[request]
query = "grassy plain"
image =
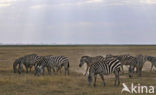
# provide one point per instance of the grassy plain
(76, 83)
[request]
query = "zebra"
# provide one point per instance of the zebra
(124, 59)
(152, 60)
(89, 61)
(134, 63)
(52, 62)
(140, 63)
(18, 62)
(30, 60)
(105, 67)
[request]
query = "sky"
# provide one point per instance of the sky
(78, 21)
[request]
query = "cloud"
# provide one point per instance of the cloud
(148, 1)
(96, 3)
(6, 3)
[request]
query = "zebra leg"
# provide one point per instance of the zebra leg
(54, 71)
(140, 71)
(66, 67)
(68, 71)
(122, 69)
(49, 70)
(95, 76)
(155, 65)
(43, 71)
(65, 70)
(116, 78)
(151, 67)
(26, 69)
(102, 77)
(30, 69)
(86, 71)
(60, 71)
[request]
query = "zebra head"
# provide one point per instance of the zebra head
(84, 59)
(131, 70)
(148, 58)
(38, 70)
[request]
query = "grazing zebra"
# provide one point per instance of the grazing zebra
(134, 64)
(124, 59)
(89, 61)
(152, 60)
(30, 60)
(140, 63)
(105, 67)
(18, 62)
(52, 62)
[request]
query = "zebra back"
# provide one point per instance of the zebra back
(54, 61)
(105, 66)
(91, 60)
(30, 60)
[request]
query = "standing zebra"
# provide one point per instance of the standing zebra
(105, 67)
(152, 60)
(52, 62)
(89, 61)
(124, 59)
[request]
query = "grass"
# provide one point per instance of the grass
(76, 83)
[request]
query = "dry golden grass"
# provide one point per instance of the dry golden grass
(76, 83)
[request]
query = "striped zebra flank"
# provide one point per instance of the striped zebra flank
(105, 67)
(52, 62)
(125, 60)
(89, 61)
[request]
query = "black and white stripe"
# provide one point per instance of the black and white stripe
(105, 67)
(125, 60)
(89, 61)
(53, 62)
